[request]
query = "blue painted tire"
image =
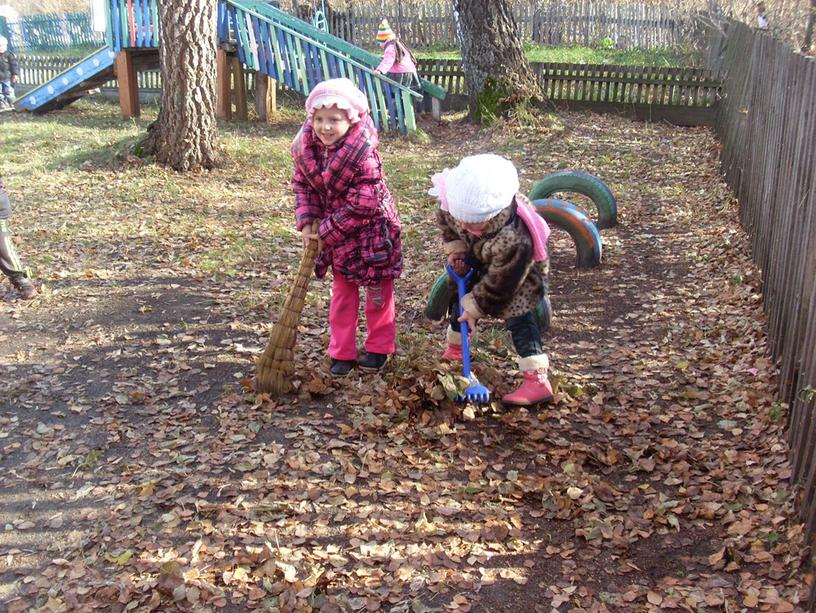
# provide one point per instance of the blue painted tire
(575, 221)
(584, 183)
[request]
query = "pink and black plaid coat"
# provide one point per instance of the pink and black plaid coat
(343, 187)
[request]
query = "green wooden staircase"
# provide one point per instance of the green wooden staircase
(299, 56)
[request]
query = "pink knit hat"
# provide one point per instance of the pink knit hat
(341, 93)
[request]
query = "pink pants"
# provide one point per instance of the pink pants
(380, 315)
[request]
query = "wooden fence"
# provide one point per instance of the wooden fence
(689, 93)
(767, 129)
(50, 31)
(424, 24)
(693, 87)
(36, 70)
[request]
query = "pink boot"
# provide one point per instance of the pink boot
(536, 386)
(454, 348)
(453, 352)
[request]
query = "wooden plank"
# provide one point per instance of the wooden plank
(223, 95)
(266, 102)
(239, 81)
(128, 86)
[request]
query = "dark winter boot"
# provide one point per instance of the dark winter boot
(373, 361)
(26, 288)
(341, 368)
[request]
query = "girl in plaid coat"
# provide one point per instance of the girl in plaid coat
(339, 184)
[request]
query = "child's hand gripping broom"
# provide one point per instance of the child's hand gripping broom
(274, 369)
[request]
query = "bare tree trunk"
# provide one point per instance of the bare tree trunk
(497, 74)
(184, 135)
(809, 29)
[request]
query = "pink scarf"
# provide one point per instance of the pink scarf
(538, 228)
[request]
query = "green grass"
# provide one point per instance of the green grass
(78, 51)
(667, 56)
(590, 55)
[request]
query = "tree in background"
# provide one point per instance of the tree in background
(808, 42)
(184, 135)
(498, 77)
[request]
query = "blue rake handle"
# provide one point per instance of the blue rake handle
(475, 392)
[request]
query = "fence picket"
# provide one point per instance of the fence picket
(46, 32)
(560, 22)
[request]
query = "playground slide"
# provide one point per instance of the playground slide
(87, 74)
(267, 40)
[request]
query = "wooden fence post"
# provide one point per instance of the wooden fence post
(223, 97)
(265, 96)
(128, 86)
(239, 81)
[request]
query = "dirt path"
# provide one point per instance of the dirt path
(140, 474)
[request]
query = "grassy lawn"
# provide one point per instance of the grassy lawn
(535, 53)
(140, 471)
(591, 55)
(78, 52)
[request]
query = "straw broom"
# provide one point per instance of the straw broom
(275, 367)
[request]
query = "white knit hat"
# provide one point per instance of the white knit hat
(480, 187)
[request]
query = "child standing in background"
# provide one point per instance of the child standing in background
(487, 225)
(398, 62)
(762, 18)
(339, 183)
(9, 262)
(9, 75)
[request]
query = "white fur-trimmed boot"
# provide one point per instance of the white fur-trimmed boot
(536, 386)
(454, 349)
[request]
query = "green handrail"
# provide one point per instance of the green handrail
(320, 45)
(401, 116)
(334, 42)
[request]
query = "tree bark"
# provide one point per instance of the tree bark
(497, 74)
(184, 135)
(809, 28)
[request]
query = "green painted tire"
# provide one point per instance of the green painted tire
(436, 308)
(580, 182)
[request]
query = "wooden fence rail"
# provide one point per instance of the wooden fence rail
(424, 24)
(767, 129)
(36, 70)
(691, 88)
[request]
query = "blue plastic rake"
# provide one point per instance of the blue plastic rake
(475, 391)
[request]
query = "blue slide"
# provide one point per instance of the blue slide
(87, 74)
